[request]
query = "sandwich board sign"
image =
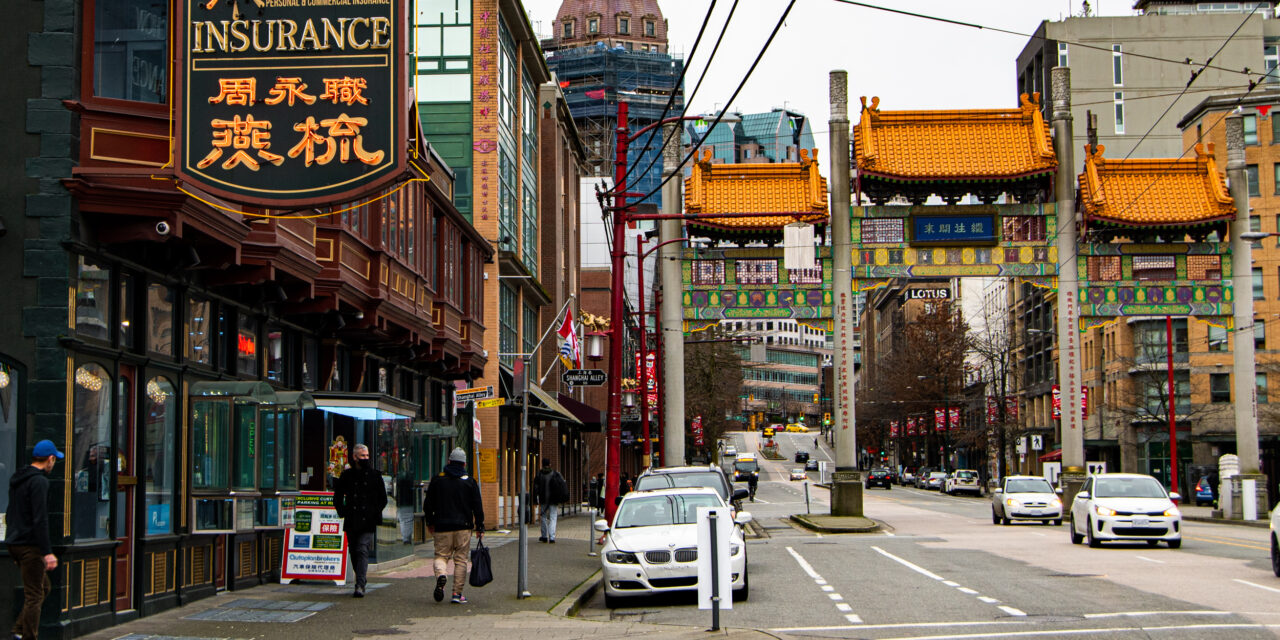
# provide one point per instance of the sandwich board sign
(315, 546)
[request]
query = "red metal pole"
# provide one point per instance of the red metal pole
(613, 434)
(657, 364)
(644, 357)
(1173, 422)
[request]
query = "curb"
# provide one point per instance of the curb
(1257, 524)
(569, 605)
(813, 526)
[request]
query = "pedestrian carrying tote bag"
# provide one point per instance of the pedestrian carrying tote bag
(481, 566)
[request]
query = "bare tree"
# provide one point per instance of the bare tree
(713, 387)
(992, 348)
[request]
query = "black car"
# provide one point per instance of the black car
(802, 456)
(880, 477)
(811, 465)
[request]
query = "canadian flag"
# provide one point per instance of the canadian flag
(570, 353)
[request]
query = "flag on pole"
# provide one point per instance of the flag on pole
(570, 354)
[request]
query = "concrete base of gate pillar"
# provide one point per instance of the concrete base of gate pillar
(846, 493)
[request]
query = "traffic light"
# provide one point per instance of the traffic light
(815, 397)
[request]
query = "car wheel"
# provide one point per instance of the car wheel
(1175, 543)
(995, 519)
(1057, 522)
(888, 487)
(1075, 537)
(1094, 542)
(1275, 556)
(1004, 520)
(741, 595)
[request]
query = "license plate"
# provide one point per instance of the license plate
(1034, 512)
(1141, 522)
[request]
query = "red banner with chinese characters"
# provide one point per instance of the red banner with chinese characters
(911, 426)
(1011, 408)
(939, 420)
(953, 414)
(893, 428)
(1057, 402)
(993, 410)
(290, 104)
(697, 431)
(651, 370)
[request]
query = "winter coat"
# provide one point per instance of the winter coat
(549, 487)
(27, 519)
(359, 495)
(453, 501)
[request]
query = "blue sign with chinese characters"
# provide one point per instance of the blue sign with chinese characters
(953, 229)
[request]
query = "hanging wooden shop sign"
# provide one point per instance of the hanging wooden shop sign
(290, 103)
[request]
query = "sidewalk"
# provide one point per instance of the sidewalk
(399, 603)
(1204, 514)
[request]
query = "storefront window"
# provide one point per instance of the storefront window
(247, 346)
(310, 363)
(269, 450)
(10, 380)
(246, 448)
(160, 454)
(93, 300)
(129, 50)
(160, 319)
(278, 466)
(198, 343)
(275, 354)
(210, 443)
(127, 331)
(91, 453)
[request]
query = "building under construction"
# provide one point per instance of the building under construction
(603, 59)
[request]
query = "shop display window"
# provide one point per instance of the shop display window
(91, 453)
(244, 469)
(278, 464)
(210, 443)
(93, 300)
(160, 319)
(267, 512)
(199, 345)
(213, 515)
(160, 454)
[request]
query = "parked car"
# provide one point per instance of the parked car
(1025, 498)
(906, 477)
(935, 480)
(802, 456)
(1275, 543)
(729, 452)
(879, 477)
(799, 474)
(922, 477)
(676, 477)
(1125, 506)
(810, 465)
(962, 480)
(1203, 492)
(652, 546)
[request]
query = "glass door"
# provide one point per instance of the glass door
(126, 481)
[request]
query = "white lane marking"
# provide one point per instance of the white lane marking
(908, 625)
(820, 581)
(1011, 611)
(988, 600)
(890, 534)
(804, 564)
(1149, 559)
(853, 617)
(914, 567)
(1271, 589)
(951, 583)
(835, 596)
(828, 588)
(1078, 632)
(1037, 533)
(967, 590)
(1135, 614)
(844, 607)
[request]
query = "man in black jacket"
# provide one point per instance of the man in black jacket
(359, 496)
(27, 535)
(452, 509)
(549, 492)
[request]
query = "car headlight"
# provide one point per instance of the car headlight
(734, 549)
(1103, 511)
(1172, 512)
(621, 557)
(1056, 502)
(1013, 503)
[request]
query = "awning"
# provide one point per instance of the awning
(1052, 456)
(551, 408)
(434, 429)
(365, 406)
(241, 390)
(299, 399)
(591, 417)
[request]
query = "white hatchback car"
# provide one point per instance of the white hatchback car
(652, 546)
(1025, 498)
(1275, 542)
(1125, 506)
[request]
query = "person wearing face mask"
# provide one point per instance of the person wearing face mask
(359, 497)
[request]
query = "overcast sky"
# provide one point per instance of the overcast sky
(909, 62)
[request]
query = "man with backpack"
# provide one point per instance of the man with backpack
(453, 509)
(549, 491)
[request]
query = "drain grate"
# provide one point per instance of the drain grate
(256, 610)
(148, 636)
(380, 632)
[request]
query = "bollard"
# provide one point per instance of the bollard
(806, 498)
(715, 575)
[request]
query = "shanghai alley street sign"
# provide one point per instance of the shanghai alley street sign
(290, 103)
(584, 377)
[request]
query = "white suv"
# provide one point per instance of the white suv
(1125, 506)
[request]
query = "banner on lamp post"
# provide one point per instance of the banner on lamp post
(697, 431)
(939, 420)
(953, 414)
(993, 410)
(893, 428)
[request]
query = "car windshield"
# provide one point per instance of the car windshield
(1031, 485)
(1128, 488)
(966, 475)
(708, 479)
(655, 511)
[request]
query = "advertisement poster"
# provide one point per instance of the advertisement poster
(315, 548)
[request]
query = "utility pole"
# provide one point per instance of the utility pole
(672, 325)
(1245, 390)
(1072, 432)
(846, 487)
(618, 319)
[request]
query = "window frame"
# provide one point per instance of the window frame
(1118, 114)
(1216, 394)
(1250, 121)
(1252, 180)
(1117, 66)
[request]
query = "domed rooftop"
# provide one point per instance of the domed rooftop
(580, 22)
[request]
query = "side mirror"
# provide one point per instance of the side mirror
(1058, 491)
(740, 494)
(742, 518)
(998, 490)
(602, 525)
(1175, 496)
(1083, 495)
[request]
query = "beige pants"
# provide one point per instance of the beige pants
(455, 546)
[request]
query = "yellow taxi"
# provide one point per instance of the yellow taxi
(796, 427)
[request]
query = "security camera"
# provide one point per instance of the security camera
(162, 228)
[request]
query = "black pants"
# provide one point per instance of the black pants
(35, 586)
(361, 548)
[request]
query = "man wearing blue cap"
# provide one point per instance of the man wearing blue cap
(27, 535)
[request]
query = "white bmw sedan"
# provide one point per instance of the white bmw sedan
(1125, 506)
(652, 546)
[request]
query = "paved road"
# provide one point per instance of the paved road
(942, 570)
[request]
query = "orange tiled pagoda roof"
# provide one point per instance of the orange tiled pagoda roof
(1166, 192)
(788, 191)
(969, 145)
